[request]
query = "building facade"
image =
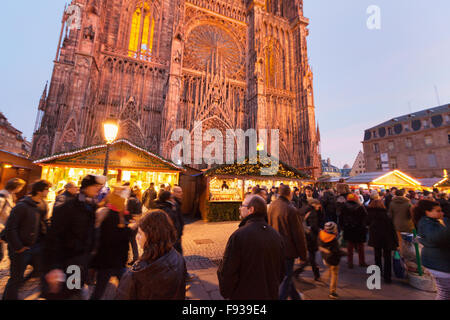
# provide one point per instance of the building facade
(329, 170)
(162, 65)
(359, 166)
(417, 144)
(11, 139)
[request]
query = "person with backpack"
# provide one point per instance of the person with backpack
(7, 203)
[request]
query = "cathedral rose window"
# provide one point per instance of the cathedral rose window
(209, 45)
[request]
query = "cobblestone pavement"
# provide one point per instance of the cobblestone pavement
(204, 245)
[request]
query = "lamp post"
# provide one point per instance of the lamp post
(111, 129)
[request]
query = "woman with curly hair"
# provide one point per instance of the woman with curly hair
(159, 272)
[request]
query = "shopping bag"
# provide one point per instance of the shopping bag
(399, 266)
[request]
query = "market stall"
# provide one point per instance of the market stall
(13, 165)
(384, 180)
(127, 163)
(443, 184)
(225, 187)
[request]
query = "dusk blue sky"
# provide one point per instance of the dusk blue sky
(362, 77)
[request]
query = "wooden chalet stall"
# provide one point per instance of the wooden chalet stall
(225, 186)
(13, 165)
(384, 180)
(127, 163)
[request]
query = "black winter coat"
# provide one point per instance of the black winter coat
(26, 224)
(314, 222)
(353, 220)
(329, 205)
(62, 198)
(177, 220)
(387, 200)
(381, 229)
(253, 263)
(331, 253)
(113, 243)
(70, 238)
(134, 206)
(163, 279)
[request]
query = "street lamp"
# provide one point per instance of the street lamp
(111, 129)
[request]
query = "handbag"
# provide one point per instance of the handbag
(399, 266)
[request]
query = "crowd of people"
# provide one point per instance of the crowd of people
(326, 220)
(93, 228)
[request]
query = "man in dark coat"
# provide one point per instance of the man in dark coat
(388, 197)
(70, 240)
(149, 197)
(307, 196)
(353, 221)
(284, 218)
(163, 203)
(253, 263)
(25, 231)
(177, 201)
(70, 192)
(329, 205)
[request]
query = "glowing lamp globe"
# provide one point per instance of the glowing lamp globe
(260, 146)
(111, 131)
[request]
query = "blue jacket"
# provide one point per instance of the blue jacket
(436, 241)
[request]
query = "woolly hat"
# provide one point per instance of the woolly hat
(91, 180)
(331, 227)
(353, 197)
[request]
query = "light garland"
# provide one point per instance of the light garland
(72, 153)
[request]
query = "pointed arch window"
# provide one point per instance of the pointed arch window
(274, 68)
(142, 33)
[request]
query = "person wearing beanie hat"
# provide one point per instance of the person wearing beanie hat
(331, 254)
(70, 240)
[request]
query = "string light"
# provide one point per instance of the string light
(72, 153)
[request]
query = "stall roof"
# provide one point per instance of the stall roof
(254, 170)
(331, 179)
(443, 183)
(94, 157)
(392, 178)
(429, 182)
(17, 160)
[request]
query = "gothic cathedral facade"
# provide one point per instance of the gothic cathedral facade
(160, 65)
